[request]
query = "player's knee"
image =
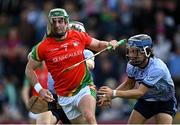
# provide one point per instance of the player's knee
(89, 116)
(39, 121)
(42, 121)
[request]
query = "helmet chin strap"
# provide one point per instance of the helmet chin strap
(147, 55)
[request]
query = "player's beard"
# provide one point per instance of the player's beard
(135, 63)
(61, 34)
(139, 63)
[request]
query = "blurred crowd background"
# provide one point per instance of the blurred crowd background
(23, 24)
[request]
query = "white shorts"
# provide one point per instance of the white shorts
(70, 104)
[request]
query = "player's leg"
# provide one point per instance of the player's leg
(87, 104)
(57, 111)
(163, 118)
(166, 111)
(79, 120)
(143, 110)
(136, 118)
(70, 109)
(87, 107)
(60, 116)
(80, 108)
(32, 117)
(46, 118)
(73, 114)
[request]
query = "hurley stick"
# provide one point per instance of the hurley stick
(120, 42)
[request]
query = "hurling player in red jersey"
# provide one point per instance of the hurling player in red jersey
(60, 50)
(27, 90)
(54, 115)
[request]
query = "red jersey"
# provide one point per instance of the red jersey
(59, 55)
(42, 74)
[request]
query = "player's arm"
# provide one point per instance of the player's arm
(132, 93)
(105, 90)
(128, 84)
(153, 77)
(31, 75)
(30, 70)
(128, 94)
(98, 45)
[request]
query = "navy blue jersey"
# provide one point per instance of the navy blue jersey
(156, 77)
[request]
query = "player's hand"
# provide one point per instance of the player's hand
(105, 90)
(46, 95)
(114, 44)
(103, 100)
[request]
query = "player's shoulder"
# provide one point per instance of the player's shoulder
(41, 45)
(157, 63)
(129, 66)
(72, 31)
(157, 66)
(45, 41)
(130, 69)
(76, 34)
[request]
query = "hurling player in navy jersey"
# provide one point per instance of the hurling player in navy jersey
(156, 92)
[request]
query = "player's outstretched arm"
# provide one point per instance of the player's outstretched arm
(127, 94)
(128, 84)
(98, 45)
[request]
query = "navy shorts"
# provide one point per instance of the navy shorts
(151, 108)
(58, 112)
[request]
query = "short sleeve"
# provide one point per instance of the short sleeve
(130, 71)
(153, 77)
(86, 38)
(37, 52)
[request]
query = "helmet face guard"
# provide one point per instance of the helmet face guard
(138, 49)
(136, 56)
